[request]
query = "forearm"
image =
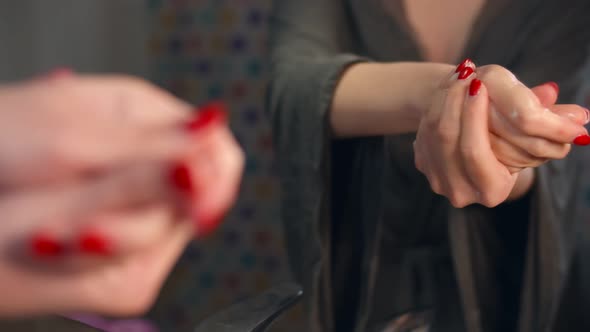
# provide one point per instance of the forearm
(384, 98)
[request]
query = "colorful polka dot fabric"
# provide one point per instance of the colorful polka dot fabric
(212, 49)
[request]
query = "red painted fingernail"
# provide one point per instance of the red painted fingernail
(474, 87)
(208, 225)
(554, 85)
(466, 63)
(94, 243)
(582, 140)
(46, 246)
(209, 114)
(181, 178)
(465, 73)
(57, 73)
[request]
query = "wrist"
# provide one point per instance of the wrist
(426, 84)
(384, 98)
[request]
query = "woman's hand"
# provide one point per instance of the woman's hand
(103, 182)
(527, 128)
(453, 147)
(455, 152)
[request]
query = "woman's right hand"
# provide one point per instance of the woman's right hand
(454, 148)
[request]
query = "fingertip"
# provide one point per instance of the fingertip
(554, 86)
(94, 243)
(46, 246)
(582, 140)
(581, 117)
(208, 115)
(546, 94)
(475, 87)
(465, 73)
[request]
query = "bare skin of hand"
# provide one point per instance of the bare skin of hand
(109, 173)
(454, 147)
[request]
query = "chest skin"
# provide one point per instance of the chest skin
(442, 28)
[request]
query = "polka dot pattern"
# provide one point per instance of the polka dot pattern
(214, 49)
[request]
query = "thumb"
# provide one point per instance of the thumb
(547, 93)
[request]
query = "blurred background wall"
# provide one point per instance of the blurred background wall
(200, 50)
(88, 35)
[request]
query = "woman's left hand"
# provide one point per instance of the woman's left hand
(470, 159)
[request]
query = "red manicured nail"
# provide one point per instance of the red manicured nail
(466, 63)
(474, 87)
(180, 178)
(582, 140)
(60, 73)
(57, 73)
(209, 114)
(94, 243)
(207, 226)
(554, 85)
(46, 246)
(465, 73)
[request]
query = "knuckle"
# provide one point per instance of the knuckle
(491, 202)
(495, 68)
(491, 199)
(496, 194)
(444, 134)
(469, 153)
(562, 132)
(456, 92)
(491, 71)
(435, 185)
(431, 123)
(459, 200)
(539, 148)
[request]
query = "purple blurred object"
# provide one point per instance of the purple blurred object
(131, 325)
(105, 325)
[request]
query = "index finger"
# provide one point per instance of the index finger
(479, 160)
